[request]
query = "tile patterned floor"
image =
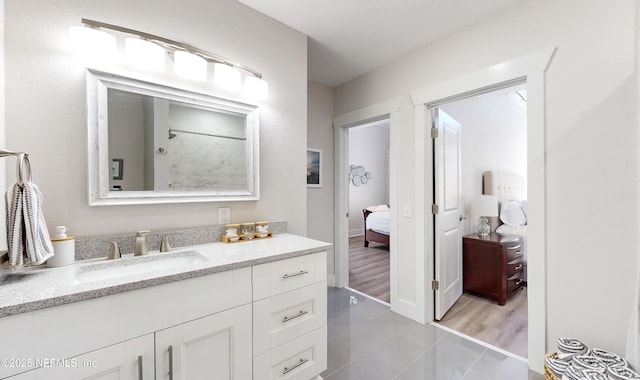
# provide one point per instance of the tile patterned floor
(369, 342)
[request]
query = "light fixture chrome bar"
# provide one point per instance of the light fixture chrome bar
(6, 153)
(172, 45)
(206, 134)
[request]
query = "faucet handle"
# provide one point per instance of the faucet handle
(165, 246)
(142, 233)
(114, 251)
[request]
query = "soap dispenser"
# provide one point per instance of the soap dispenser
(64, 248)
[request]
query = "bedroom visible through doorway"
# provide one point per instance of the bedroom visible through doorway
(369, 215)
(493, 139)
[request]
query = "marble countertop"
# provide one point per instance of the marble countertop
(35, 288)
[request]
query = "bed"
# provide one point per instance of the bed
(376, 224)
(511, 191)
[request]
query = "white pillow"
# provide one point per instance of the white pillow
(379, 208)
(511, 213)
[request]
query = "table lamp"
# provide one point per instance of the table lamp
(484, 206)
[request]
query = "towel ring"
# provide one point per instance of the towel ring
(23, 165)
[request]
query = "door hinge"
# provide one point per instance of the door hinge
(434, 133)
(435, 209)
(435, 284)
(347, 215)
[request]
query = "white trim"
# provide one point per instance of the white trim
(369, 113)
(531, 67)
(341, 143)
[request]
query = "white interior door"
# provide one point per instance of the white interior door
(448, 234)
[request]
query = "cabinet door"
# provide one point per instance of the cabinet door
(216, 347)
(130, 360)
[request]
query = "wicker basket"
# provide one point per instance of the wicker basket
(548, 375)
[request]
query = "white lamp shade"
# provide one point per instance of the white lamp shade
(484, 205)
(144, 54)
(92, 43)
(256, 88)
(189, 66)
(226, 77)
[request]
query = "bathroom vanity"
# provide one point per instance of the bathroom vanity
(254, 310)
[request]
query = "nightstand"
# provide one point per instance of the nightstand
(492, 266)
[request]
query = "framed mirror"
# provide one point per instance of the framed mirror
(149, 143)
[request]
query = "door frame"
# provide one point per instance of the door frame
(532, 68)
(341, 124)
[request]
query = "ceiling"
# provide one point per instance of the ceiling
(348, 38)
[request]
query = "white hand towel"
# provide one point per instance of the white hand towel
(27, 233)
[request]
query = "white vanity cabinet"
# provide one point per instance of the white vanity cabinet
(194, 315)
(266, 321)
(213, 347)
(130, 360)
(290, 318)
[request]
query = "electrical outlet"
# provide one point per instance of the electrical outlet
(224, 215)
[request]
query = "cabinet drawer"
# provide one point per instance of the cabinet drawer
(300, 359)
(514, 266)
(514, 282)
(284, 317)
(514, 251)
(285, 275)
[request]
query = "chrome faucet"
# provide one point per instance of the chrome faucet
(141, 248)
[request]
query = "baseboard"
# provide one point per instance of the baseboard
(331, 280)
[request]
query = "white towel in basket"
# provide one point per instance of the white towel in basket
(27, 235)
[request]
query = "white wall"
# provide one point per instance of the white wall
(320, 201)
(590, 151)
(494, 137)
(369, 147)
(45, 100)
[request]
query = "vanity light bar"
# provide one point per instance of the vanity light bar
(189, 61)
(172, 45)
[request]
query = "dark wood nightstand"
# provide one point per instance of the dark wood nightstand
(493, 266)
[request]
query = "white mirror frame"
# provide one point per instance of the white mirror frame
(99, 168)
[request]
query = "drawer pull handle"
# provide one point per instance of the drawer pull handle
(170, 362)
(289, 275)
(140, 375)
(300, 314)
(286, 370)
(518, 282)
(518, 267)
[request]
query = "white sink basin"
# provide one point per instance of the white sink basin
(130, 266)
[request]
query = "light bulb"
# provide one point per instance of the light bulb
(256, 88)
(144, 54)
(226, 77)
(92, 44)
(189, 66)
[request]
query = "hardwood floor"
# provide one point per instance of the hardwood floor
(482, 318)
(369, 268)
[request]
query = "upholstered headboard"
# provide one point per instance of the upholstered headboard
(505, 186)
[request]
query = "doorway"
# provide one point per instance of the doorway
(369, 213)
(493, 138)
(412, 268)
